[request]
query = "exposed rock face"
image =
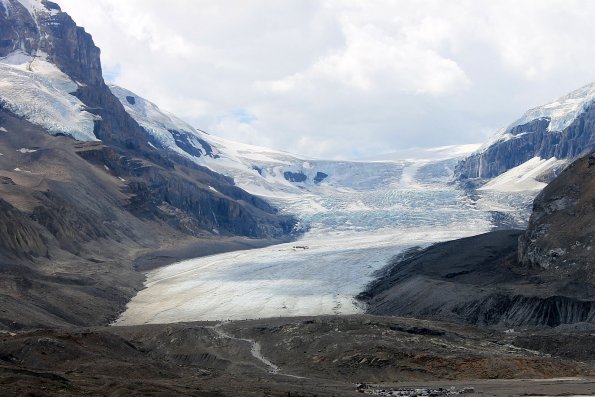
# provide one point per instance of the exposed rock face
(54, 34)
(212, 204)
(320, 176)
(477, 280)
(530, 140)
(17, 29)
(19, 234)
(295, 176)
(562, 226)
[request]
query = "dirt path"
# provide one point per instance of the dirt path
(254, 350)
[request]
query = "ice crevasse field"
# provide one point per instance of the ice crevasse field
(361, 215)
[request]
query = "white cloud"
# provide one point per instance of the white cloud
(374, 59)
(345, 78)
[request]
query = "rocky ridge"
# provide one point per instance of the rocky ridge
(561, 229)
(564, 129)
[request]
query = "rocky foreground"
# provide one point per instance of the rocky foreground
(321, 356)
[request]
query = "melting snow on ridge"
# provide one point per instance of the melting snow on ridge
(562, 111)
(157, 122)
(38, 91)
(525, 176)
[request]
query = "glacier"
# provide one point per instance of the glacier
(33, 88)
(355, 225)
(356, 216)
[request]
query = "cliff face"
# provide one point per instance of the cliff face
(536, 137)
(562, 226)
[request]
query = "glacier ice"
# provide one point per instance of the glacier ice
(37, 90)
(359, 216)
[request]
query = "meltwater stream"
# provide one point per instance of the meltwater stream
(353, 232)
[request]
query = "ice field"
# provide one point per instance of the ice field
(353, 232)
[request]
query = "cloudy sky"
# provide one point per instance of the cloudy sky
(344, 79)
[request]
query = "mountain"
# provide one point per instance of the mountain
(561, 230)
(281, 177)
(85, 190)
(540, 277)
(557, 132)
(98, 185)
(263, 171)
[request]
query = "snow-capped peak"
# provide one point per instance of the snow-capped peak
(561, 112)
(164, 128)
(147, 112)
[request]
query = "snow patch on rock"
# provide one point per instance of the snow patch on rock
(560, 113)
(24, 150)
(35, 6)
(524, 177)
(160, 124)
(35, 89)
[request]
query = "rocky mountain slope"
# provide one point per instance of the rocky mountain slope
(541, 277)
(563, 129)
(561, 229)
(83, 191)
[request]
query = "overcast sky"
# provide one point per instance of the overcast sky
(344, 79)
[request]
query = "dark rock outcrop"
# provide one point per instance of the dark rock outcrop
(477, 280)
(17, 29)
(320, 176)
(562, 226)
(19, 235)
(295, 176)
